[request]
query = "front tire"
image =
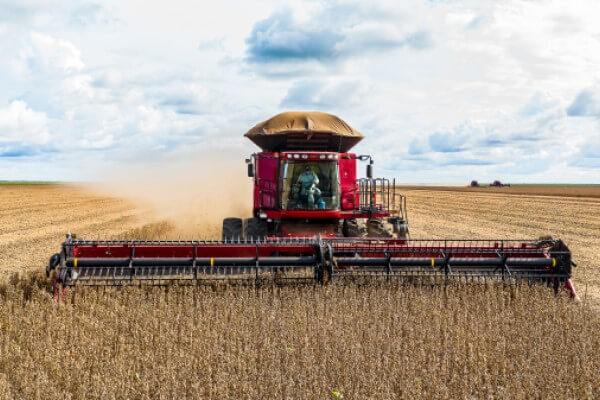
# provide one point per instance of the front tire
(255, 228)
(377, 228)
(232, 229)
(350, 228)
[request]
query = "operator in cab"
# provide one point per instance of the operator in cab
(307, 186)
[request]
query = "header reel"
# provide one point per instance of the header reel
(356, 261)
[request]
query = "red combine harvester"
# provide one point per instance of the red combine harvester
(312, 221)
(305, 184)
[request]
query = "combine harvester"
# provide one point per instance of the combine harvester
(313, 221)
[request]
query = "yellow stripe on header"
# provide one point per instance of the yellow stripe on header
(212, 262)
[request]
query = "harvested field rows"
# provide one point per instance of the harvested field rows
(591, 191)
(35, 218)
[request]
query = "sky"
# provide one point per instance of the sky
(444, 91)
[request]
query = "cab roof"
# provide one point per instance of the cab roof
(304, 131)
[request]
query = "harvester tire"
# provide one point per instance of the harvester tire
(255, 228)
(232, 228)
(351, 228)
(377, 228)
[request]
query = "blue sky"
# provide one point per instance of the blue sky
(444, 91)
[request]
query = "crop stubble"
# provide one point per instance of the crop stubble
(592, 191)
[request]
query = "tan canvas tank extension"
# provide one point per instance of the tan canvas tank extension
(304, 130)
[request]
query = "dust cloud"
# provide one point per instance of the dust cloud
(193, 195)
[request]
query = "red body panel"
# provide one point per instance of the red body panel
(322, 214)
(309, 214)
(265, 182)
(348, 189)
(364, 248)
(187, 250)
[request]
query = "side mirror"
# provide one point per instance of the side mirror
(250, 170)
(369, 171)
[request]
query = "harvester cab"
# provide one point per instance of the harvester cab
(305, 184)
(307, 193)
(315, 221)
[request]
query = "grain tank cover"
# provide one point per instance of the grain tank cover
(304, 130)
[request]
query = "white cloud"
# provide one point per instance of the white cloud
(52, 54)
(586, 104)
(333, 31)
(325, 94)
(19, 123)
(98, 142)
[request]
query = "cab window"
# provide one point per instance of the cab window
(310, 185)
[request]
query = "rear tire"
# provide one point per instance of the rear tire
(377, 228)
(232, 229)
(255, 228)
(350, 228)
